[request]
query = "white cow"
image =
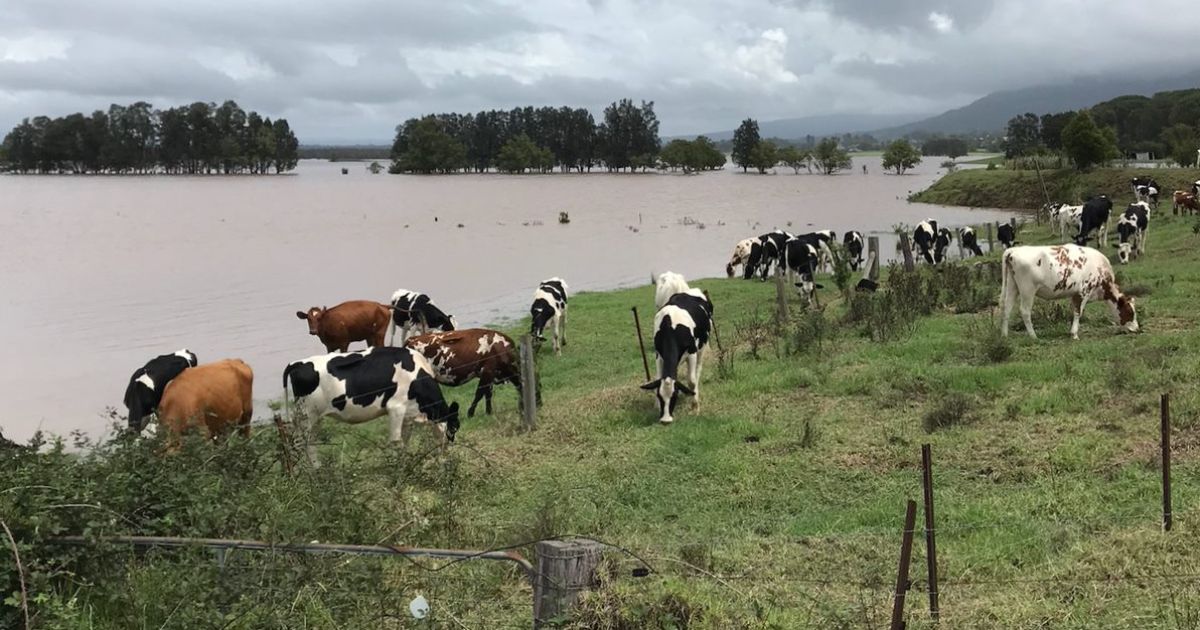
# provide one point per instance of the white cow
(1066, 217)
(1061, 271)
(741, 255)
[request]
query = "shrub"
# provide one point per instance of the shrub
(808, 331)
(949, 410)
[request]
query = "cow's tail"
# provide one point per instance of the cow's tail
(287, 372)
(1006, 273)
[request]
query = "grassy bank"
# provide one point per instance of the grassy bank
(1004, 188)
(777, 504)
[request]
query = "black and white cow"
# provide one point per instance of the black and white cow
(924, 239)
(1143, 182)
(356, 387)
(1064, 217)
(803, 259)
(681, 330)
(146, 386)
(550, 309)
(1094, 218)
(412, 311)
(853, 241)
(969, 240)
(825, 240)
(1131, 229)
(769, 252)
(1006, 235)
(1196, 188)
(941, 244)
(1148, 194)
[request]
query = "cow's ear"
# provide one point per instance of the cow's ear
(301, 315)
(652, 385)
(819, 286)
(684, 389)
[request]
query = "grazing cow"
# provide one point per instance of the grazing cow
(1143, 182)
(414, 311)
(1094, 218)
(214, 396)
(550, 308)
(1065, 217)
(1188, 201)
(803, 259)
(668, 283)
(356, 387)
(741, 255)
(357, 320)
(146, 386)
(681, 329)
(969, 240)
(459, 356)
(1148, 194)
(1006, 235)
(853, 241)
(1196, 188)
(1131, 229)
(770, 253)
(941, 244)
(1061, 271)
(924, 238)
(823, 239)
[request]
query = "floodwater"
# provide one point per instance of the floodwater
(99, 273)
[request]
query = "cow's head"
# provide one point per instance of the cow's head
(807, 287)
(541, 313)
(188, 356)
(1124, 250)
(1125, 313)
(667, 391)
(313, 315)
(729, 270)
(449, 415)
(450, 325)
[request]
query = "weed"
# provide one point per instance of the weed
(808, 332)
(753, 330)
(951, 409)
(808, 435)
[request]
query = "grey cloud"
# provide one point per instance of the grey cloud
(898, 14)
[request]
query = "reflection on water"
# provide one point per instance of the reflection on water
(98, 274)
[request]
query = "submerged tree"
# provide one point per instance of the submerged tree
(745, 139)
(901, 156)
(830, 158)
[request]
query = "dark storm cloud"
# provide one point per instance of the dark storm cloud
(895, 14)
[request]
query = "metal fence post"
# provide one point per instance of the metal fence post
(564, 569)
(910, 517)
(930, 542)
(873, 258)
(637, 324)
(1165, 413)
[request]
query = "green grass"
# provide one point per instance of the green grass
(1003, 188)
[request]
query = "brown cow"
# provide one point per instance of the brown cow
(215, 396)
(357, 320)
(1187, 201)
(461, 355)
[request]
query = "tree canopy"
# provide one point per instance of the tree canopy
(952, 147)
(1086, 144)
(764, 156)
(745, 139)
(691, 155)
(831, 158)
(900, 156)
(200, 138)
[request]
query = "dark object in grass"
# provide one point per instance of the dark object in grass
(949, 410)
(750, 439)
(866, 285)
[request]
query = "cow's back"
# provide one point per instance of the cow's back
(215, 395)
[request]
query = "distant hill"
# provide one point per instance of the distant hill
(819, 126)
(992, 112)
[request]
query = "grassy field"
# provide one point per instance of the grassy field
(777, 504)
(1004, 188)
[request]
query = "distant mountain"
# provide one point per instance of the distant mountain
(992, 112)
(820, 126)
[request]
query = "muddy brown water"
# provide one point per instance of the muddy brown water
(99, 274)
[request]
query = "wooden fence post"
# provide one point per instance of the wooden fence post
(1165, 413)
(906, 250)
(910, 517)
(529, 385)
(564, 569)
(873, 258)
(930, 543)
(781, 314)
(991, 244)
(637, 323)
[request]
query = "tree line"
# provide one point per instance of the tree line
(1166, 124)
(201, 138)
(750, 150)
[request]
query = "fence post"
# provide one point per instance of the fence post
(873, 258)
(930, 543)
(1013, 222)
(910, 517)
(1165, 410)
(637, 323)
(564, 569)
(529, 385)
(781, 307)
(906, 250)
(991, 244)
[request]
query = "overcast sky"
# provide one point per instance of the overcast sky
(350, 70)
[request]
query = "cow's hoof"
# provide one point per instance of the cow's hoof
(666, 421)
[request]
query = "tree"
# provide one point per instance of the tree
(952, 147)
(628, 137)
(745, 139)
(706, 154)
(765, 155)
(1023, 136)
(830, 158)
(521, 154)
(1086, 144)
(1182, 141)
(795, 158)
(426, 148)
(901, 156)
(1052, 128)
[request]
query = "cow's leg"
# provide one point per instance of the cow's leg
(562, 324)
(697, 369)
(479, 394)
(1142, 241)
(1077, 304)
(397, 431)
(557, 333)
(308, 426)
(391, 336)
(488, 398)
(1027, 298)
(1008, 300)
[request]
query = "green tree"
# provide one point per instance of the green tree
(745, 139)
(1023, 135)
(765, 155)
(706, 155)
(1052, 126)
(795, 158)
(900, 156)
(426, 148)
(830, 158)
(1085, 143)
(1182, 141)
(952, 147)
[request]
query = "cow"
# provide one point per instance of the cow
(550, 308)
(770, 251)
(803, 259)
(824, 239)
(215, 397)
(1094, 218)
(1006, 235)
(668, 283)
(681, 330)
(1143, 182)
(1148, 194)
(460, 356)
(941, 244)
(853, 242)
(1196, 188)
(1187, 201)
(1065, 217)
(356, 387)
(1131, 230)
(357, 320)
(924, 237)
(146, 386)
(1061, 271)
(969, 240)
(741, 255)
(415, 311)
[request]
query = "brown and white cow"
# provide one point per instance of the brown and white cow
(216, 397)
(1187, 201)
(357, 320)
(741, 255)
(1061, 271)
(463, 355)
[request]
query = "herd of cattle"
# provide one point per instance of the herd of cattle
(401, 378)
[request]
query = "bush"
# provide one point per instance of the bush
(991, 166)
(949, 410)
(989, 345)
(808, 331)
